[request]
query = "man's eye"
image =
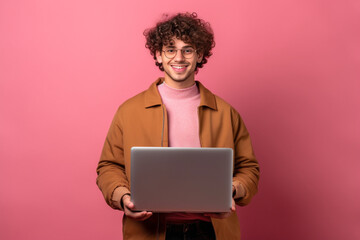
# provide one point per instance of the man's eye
(170, 50)
(188, 50)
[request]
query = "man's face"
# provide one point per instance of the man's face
(179, 69)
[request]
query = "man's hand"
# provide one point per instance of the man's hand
(128, 210)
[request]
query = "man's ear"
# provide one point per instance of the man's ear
(158, 57)
(200, 57)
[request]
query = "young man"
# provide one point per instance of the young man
(177, 111)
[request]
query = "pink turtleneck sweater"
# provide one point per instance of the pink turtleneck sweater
(182, 106)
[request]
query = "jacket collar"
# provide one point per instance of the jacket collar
(153, 98)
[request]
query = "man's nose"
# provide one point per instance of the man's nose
(179, 55)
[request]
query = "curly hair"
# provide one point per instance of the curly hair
(186, 27)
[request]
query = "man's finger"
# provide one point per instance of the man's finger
(137, 215)
(141, 216)
(129, 204)
(146, 216)
(233, 206)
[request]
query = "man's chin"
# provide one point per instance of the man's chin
(179, 79)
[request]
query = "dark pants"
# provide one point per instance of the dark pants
(188, 231)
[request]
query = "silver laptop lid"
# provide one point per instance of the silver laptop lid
(169, 179)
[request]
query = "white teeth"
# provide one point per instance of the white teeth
(178, 67)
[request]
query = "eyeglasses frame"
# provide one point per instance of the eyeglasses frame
(195, 51)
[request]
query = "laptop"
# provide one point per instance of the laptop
(172, 179)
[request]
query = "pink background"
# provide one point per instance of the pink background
(291, 68)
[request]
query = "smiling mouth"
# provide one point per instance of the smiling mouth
(179, 68)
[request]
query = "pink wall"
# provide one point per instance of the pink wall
(291, 68)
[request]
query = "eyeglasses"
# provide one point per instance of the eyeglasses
(186, 52)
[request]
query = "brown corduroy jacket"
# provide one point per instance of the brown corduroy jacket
(142, 121)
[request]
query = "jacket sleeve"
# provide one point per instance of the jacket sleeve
(111, 167)
(246, 167)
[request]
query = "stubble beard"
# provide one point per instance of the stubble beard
(183, 79)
